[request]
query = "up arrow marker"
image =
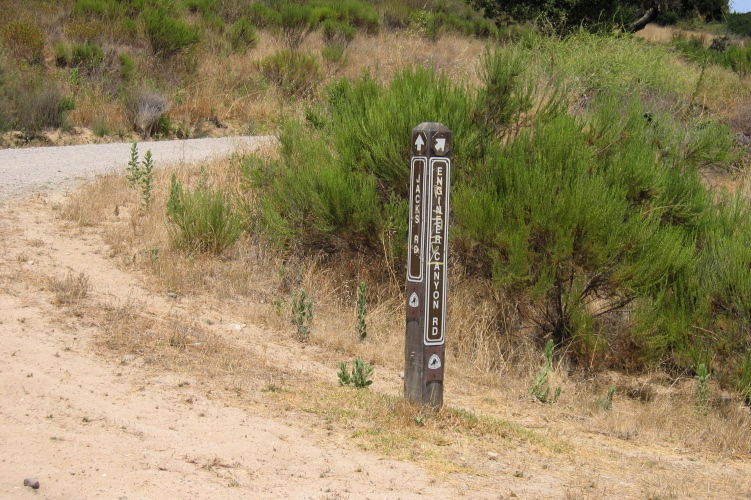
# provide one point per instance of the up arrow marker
(419, 143)
(440, 144)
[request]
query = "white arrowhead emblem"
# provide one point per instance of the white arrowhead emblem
(440, 144)
(434, 362)
(419, 143)
(413, 300)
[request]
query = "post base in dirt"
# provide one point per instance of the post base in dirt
(430, 173)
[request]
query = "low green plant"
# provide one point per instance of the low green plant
(140, 174)
(362, 327)
(702, 390)
(99, 127)
(606, 403)
(24, 41)
(127, 66)
(86, 55)
(242, 35)
(295, 22)
(167, 34)
(540, 389)
(295, 73)
(302, 314)
(359, 377)
(203, 220)
(62, 54)
(42, 107)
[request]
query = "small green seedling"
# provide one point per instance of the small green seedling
(359, 377)
(302, 314)
(362, 327)
(702, 391)
(540, 388)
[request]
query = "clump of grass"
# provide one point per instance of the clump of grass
(145, 108)
(71, 289)
(295, 73)
(203, 220)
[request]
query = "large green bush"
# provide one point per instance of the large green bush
(596, 219)
(167, 34)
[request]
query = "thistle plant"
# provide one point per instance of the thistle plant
(702, 391)
(540, 388)
(358, 377)
(362, 327)
(607, 402)
(302, 314)
(140, 174)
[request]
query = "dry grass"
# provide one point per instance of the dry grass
(71, 289)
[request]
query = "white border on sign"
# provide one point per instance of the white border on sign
(422, 228)
(447, 191)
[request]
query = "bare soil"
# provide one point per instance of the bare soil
(88, 424)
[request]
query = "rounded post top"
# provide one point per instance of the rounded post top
(431, 127)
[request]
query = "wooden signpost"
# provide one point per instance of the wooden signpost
(430, 175)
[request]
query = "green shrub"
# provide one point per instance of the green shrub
(24, 41)
(295, 22)
(263, 16)
(42, 107)
(111, 9)
(63, 54)
(242, 35)
(86, 55)
(334, 54)
(203, 220)
(360, 15)
(127, 66)
(167, 34)
(738, 23)
(295, 73)
(336, 33)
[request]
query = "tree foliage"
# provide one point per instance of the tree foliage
(565, 14)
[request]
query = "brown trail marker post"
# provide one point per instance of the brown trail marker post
(430, 174)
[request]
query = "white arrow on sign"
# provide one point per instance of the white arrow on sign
(440, 144)
(419, 143)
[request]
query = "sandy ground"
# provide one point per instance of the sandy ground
(89, 426)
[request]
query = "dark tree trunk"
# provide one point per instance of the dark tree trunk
(644, 20)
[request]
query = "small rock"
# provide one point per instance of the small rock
(238, 327)
(172, 295)
(31, 482)
(493, 455)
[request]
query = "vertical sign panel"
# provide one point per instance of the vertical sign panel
(435, 309)
(424, 350)
(415, 260)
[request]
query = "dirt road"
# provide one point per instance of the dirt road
(27, 170)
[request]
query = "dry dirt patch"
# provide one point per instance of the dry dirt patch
(93, 418)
